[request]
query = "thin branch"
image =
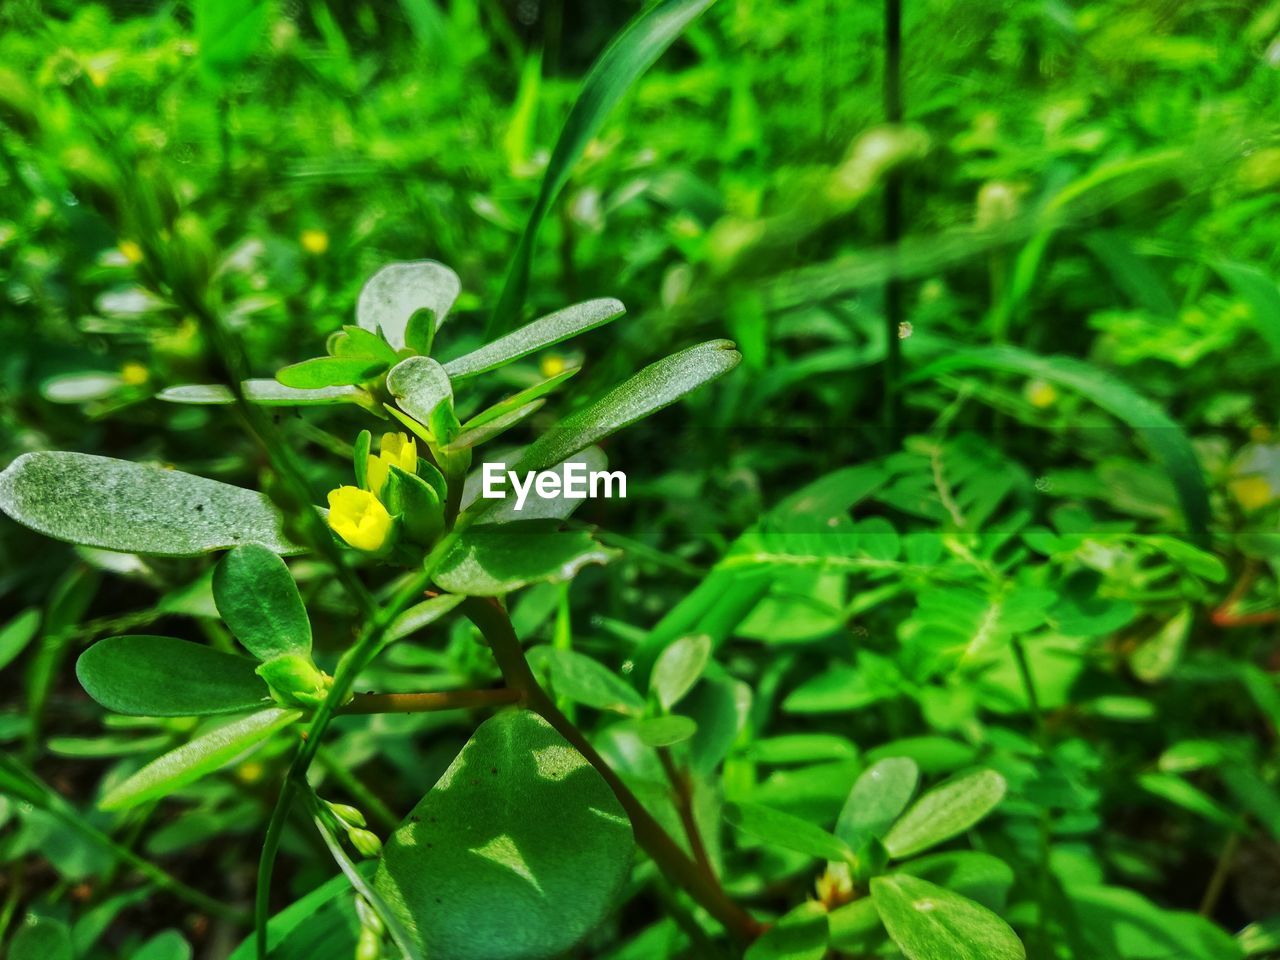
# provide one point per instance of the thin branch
(489, 616)
(365, 703)
(682, 789)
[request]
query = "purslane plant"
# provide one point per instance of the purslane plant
(549, 811)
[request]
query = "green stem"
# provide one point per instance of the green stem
(892, 226)
(489, 616)
(1044, 880)
(365, 703)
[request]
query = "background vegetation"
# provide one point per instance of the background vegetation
(1057, 547)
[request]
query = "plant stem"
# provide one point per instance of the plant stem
(492, 620)
(1221, 871)
(364, 703)
(892, 226)
(1043, 890)
(682, 788)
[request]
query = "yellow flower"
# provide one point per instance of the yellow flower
(553, 365)
(134, 374)
(130, 250)
(315, 242)
(1040, 393)
(360, 519)
(396, 450)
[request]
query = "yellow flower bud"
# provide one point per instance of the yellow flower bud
(360, 519)
(130, 250)
(1040, 393)
(134, 374)
(553, 365)
(315, 242)
(396, 450)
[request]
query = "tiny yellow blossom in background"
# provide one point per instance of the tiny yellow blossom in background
(131, 251)
(360, 519)
(552, 365)
(396, 450)
(315, 242)
(1252, 493)
(134, 374)
(1041, 394)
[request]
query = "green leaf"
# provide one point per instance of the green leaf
(421, 615)
(678, 668)
(268, 393)
(420, 385)
(800, 935)
(928, 922)
(146, 676)
(663, 731)
(1158, 655)
(534, 336)
(783, 830)
(519, 850)
(488, 561)
(1167, 440)
(970, 873)
(17, 633)
(1179, 792)
(630, 54)
(589, 682)
(1115, 922)
(418, 504)
(358, 342)
(197, 758)
(518, 400)
(1259, 290)
(945, 811)
(168, 945)
(320, 372)
(132, 508)
(41, 938)
(305, 930)
(656, 386)
(801, 748)
(260, 603)
(474, 436)
(878, 796)
(395, 293)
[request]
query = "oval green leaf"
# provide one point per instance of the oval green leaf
(656, 386)
(784, 830)
(260, 603)
(518, 851)
(589, 682)
(134, 508)
(543, 332)
(419, 385)
(928, 922)
(320, 372)
(206, 753)
(146, 676)
(41, 938)
(487, 561)
(879, 795)
(678, 668)
(399, 290)
(945, 811)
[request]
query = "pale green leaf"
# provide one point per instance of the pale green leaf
(928, 922)
(781, 829)
(399, 290)
(945, 811)
(534, 336)
(878, 796)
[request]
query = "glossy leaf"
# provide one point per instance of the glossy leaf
(260, 603)
(419, 385)
(656, 386)
(589, 682)
(945, 811)
(399, 290)
(781, 829)
(928, 922)
(320, 372)
(41, 938)
(489, 561)
(630, 54)
(268, 393)
(17, 633)
(166, 677)
(199, 757)
(519, 834)
(678, 668)
(133, 508)
(878, 796)
(534, 336)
